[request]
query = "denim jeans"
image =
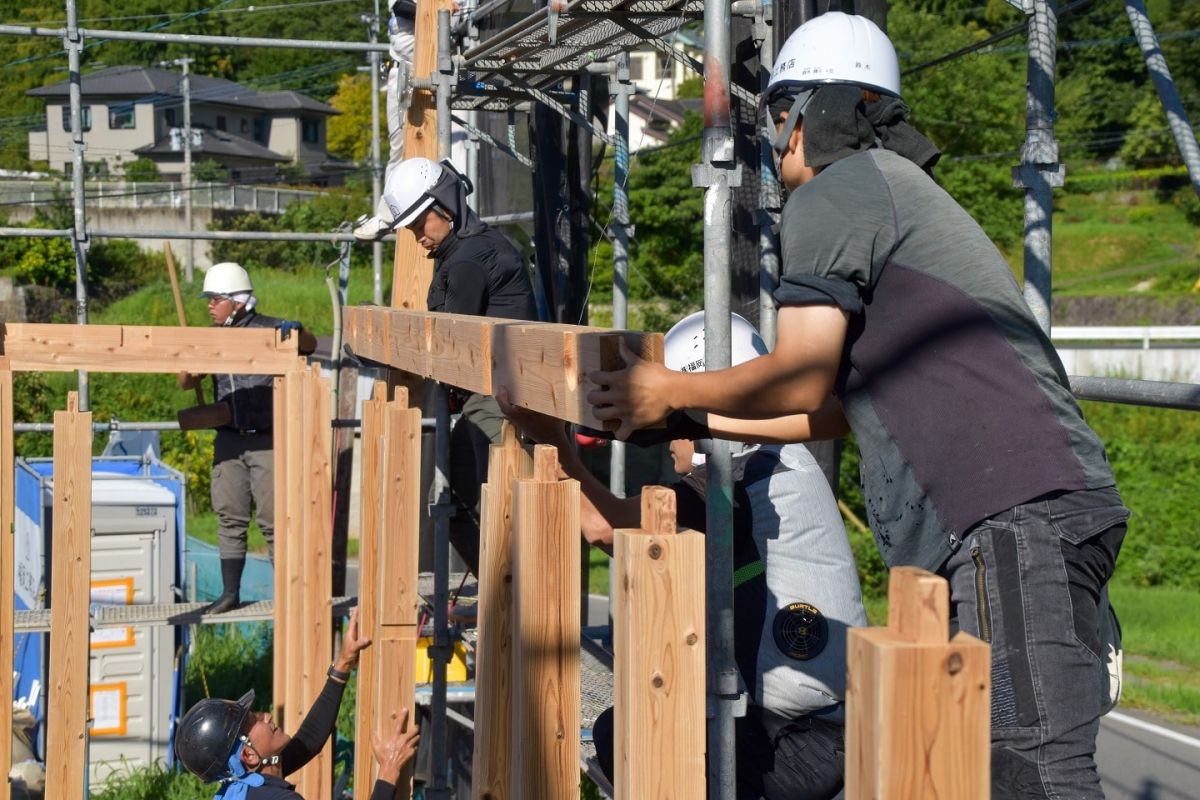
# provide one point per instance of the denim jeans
(1028, 580)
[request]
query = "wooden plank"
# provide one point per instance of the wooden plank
(918, 605)
(67, 711)
(371, 499)
(399, 548)
(545, 366)
(315, 780)
(7, 560)
(491, 759)
(281, 411)
(659, 676)
(296, 389)
(412, 269)
(371, 335)
(917, 712)
(133, 348)
(546, 686)
(397, 684)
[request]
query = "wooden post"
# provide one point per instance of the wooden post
(917, 702)
(491, 764)
(546, 685)
(343, 467)
(315, 570)
(7, 578)
(283, 534)
(411, 269)
(68, 712)
(659, 675)
(370, 478)
(398, 600)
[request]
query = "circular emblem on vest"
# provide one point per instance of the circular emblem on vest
(801, 631)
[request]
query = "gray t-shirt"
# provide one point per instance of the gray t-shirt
(959, 402)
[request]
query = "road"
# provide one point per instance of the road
(1142, 758)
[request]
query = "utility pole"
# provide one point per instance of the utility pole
(185, 89)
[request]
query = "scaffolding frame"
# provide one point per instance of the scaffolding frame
(525, 63)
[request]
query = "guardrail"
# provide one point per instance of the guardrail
(1146, 334)
(164, 194)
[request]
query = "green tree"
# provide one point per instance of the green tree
(142, 169)
(350, 132)
(209, 170)
(47, 262)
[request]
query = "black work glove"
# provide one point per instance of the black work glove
(679, 425)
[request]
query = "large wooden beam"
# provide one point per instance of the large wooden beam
(133, 348)
(543, 365)
(7, 577)
(411, 269)
(491, 763)
(658, 680)
(546, 671)
(67, 713)
(917, 702)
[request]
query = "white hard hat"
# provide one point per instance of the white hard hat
(837, 48)
(683, 346)
(407, 192)
(226, 278)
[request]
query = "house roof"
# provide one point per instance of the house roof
(661, 116)
(149, 84)
(212, 143)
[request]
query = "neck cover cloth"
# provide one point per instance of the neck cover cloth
(450, 192)
(839, 123)
(240, 781)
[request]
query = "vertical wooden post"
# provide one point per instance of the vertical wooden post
(398, 601)
(7, 578)
(283, 535)
(917, 703)
(289, 572)
(546, 715)
(371, 501)
(411, 270)
(68, 712)
(315, 623)
(491, 765)
(660, 656)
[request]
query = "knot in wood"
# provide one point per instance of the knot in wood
(954, 664)
(692, 638)
(655, 551)
(657, 681)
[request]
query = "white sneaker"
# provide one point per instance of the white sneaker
(370, 229)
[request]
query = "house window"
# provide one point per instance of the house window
(310, 129)
(245, 125)
(85, 118)
(121, 117)
(221, 122)
(635, 68)
(260, 131)
(169, 115)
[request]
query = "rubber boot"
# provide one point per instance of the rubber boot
(231, 580)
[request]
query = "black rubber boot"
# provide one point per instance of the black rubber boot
(231, 581)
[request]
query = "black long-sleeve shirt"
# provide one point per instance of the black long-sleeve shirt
(308, 740)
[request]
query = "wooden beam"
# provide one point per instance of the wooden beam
(544, 365)
(281, 412)
(400, 546)
(546, 713)
(132, 348)
(491, 762)
(315, 780)
(67, 711)
(296, 393)
(412, 270)
(370, 479)
(659, 675)
(917, 704)
(7, 577)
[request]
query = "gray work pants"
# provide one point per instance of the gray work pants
(1028, 580)
(243, 478)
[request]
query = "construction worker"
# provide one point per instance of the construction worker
(901, 321)
(477, 271)
(796, 587)
(243, 474)
(223, 740)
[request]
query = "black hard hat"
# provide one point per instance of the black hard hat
(209, 733)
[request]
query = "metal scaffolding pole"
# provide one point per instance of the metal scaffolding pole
(1177, 118)
(73, 42)
(770, 196)
(189, 265)
(1039, 171)
(376, 247)
(622, 89)
(439, 788)
(718, 173)
(189, 38)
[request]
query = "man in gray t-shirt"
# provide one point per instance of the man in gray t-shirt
(899, 320)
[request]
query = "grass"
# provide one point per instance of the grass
(1161, 638)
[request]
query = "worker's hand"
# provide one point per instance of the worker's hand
(187, 380)
(352, 644)
(636, 396)
(539, 427)
(398, 749)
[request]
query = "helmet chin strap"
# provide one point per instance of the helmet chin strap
(262, 762)
(803, 97)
